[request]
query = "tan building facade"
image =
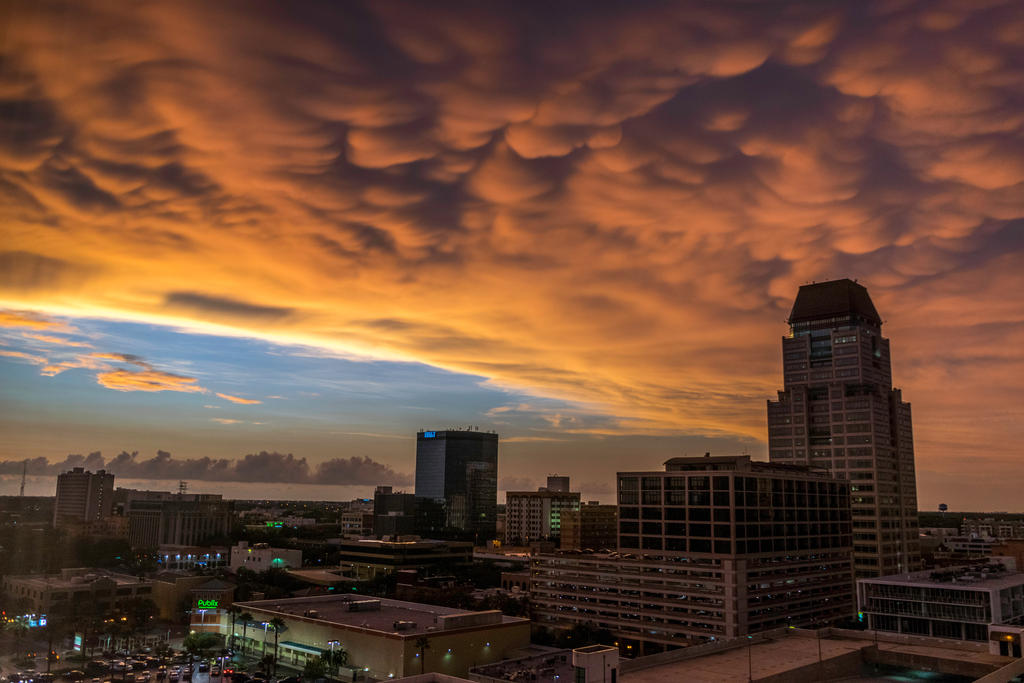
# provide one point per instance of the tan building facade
(384, 638)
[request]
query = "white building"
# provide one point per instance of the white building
(261, 557)
(536, 515)
(960, 603)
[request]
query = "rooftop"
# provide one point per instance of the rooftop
(834, 299)
(74, 579)
(778, 656)
(739, 463)
(997, 574)
(371, 613)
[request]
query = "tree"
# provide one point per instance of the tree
(277, 623)
(334, 658)
(266, 662)
(234, 611)
(246, 617)
(199, 643)
(423, 643)
(19, 627)
(315, 668)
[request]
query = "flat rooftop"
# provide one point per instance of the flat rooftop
(52, 582)
(334, 609)
(959, 578)
(778, 656)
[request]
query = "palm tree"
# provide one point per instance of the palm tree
(245, 617)
(234, 611)
(277, 623)
(423, 643)
(335, 658)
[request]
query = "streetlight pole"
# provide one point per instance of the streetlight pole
(750, 660)
(821, 665)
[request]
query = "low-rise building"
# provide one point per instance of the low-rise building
(261, 556)
(357, 523)
(367, 558)
(209, 606)
(171, 557)
(957, 603)
(79, 591)
(384, 638)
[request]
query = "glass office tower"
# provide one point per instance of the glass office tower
(459, 470)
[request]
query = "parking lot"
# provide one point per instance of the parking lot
(179, 668)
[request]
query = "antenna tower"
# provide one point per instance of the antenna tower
(24, 471)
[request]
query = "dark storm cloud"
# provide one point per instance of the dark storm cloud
(262, 467)
(219, 306)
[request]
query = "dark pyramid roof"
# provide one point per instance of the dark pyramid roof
(838, 298)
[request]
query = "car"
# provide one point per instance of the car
(291, 679)
(143, 677)
(46, 678)
(74, 675)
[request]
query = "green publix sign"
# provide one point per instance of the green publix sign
(206, 604)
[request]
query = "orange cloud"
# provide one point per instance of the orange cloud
(49, 339)
(147, 380)
(225, 421)
(239, 400)
(28, 319)
(32, 358)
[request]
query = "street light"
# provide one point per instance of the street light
(750, 664)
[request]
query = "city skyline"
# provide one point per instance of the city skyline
(584, 233)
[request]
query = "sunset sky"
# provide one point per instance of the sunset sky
(234, 229)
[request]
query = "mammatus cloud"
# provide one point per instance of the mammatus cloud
(260, 467)
(614, 206)
(239, 399)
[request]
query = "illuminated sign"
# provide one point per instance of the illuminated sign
(78, 642)
(429, 435)
(206, 604)
(274, 525)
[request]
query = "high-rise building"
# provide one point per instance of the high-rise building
(838, 410)
(537, 515)
(158, 518)
(710, 548)
(458, 470)
(394, 514)
(83, 496)
(558, 483)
